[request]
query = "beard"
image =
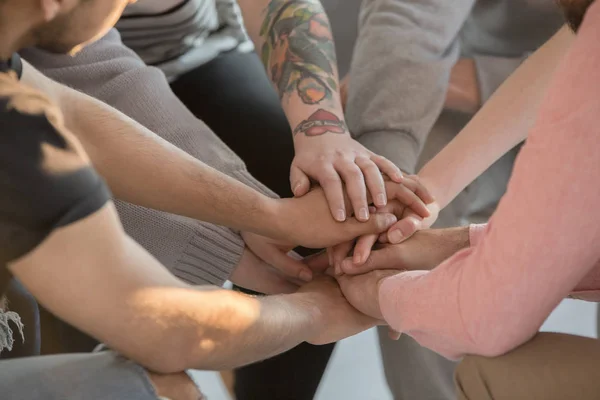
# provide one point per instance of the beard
(574, 11)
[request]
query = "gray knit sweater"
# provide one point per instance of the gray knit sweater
(406, 49)
(194, 251)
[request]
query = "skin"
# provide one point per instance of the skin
(171, 326)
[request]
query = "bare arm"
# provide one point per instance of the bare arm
(294, 40)
(144, 169)
(92, 265)
(502, 123)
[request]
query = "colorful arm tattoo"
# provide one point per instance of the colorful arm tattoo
(299, 53)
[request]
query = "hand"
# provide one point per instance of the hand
(335, 159)
(362, 291)
(306, 221)
(463, 89)
(425, 250)
(335, 318)
(255, 274)
(408, 223)
(278, 254)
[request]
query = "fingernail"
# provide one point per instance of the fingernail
(340, 215)
(381, 200)
(363, 214)
(395, 236)
(390, 220)
(357, 258)
(296, 188)
(306, 276)
(338, 270)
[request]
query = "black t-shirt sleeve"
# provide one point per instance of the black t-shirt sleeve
(45, 183)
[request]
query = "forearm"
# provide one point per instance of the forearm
(502, 123)
(400, 71)
(144, 169)
(242, 330)
(295, 42)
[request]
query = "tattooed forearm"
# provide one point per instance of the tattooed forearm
(298, 51)
(321, 122)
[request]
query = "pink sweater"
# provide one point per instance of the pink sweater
(543, 242)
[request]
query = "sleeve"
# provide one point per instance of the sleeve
(492, 71)
(45, 183)
(110, 72)
(400, 71)
(539, 245)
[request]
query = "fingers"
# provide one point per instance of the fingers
(373, 179)
(289, 266)
(363, 247)
(355, 187)
(340, 252)
(413, 182)
(378, 259)
(378, 223)
(406, 196)
(332, 187)
(318, 262)
(394, 335)
(404, 229)
(387, 167)
(300, 183)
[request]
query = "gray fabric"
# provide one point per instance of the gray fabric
(196, 252)
(100, 376)
(404, 54)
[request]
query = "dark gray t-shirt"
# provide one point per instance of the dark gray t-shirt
(38, 193)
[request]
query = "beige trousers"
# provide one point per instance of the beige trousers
(551, 366)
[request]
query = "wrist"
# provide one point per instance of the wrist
(303, 313)
(457, 238)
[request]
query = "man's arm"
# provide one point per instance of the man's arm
(171, 326)
(400, 70)
(144, 169)
(294, 40)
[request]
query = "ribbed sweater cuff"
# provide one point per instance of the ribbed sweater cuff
(211, 255)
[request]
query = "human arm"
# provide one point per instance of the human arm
(490, 298)
(171, 326)
(128, 156)
(501, 124)
(294, 40)
(60, 235)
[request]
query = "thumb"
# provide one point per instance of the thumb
(404, 228)
(378, 223)
(378, 259)
(299, 182)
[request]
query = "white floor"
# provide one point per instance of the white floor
(355, 372)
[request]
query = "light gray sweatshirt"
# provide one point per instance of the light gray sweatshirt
(406, 49)
(194, 251)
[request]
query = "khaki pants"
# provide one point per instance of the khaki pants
(551, 366)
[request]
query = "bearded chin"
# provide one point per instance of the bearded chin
(574, 11)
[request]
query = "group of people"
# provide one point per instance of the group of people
(164, 164)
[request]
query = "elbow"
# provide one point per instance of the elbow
(161, 360)
(164, 354)
(497, 343)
